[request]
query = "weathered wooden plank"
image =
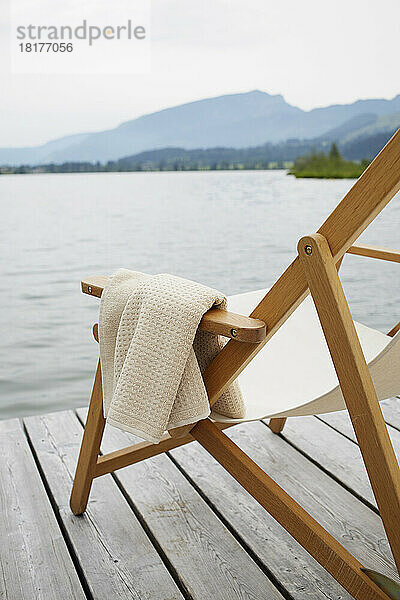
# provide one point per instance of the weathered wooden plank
(341, 422)
(34, 558)
(116, 556)
(334, 447)
(391, 411)
(209, 560)
(334, 452)
(356, 526)
(290, 564)
(141, 451)
(321, 545)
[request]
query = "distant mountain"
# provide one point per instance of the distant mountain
(350, 127)
(381, 124)
(365, 147)
(236, 121)
(267, 156)
(40, 154)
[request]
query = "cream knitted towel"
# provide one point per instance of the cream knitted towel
(151, 356)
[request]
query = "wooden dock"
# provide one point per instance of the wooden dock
(177, 526)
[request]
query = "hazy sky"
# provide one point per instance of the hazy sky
(313, 52)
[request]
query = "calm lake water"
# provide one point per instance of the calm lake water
(235, 231)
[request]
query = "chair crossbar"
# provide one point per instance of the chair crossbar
(137, 452)
(375, 252)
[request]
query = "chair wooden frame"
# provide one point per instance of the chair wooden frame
(315, 270)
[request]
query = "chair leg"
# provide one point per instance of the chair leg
(90, 448)
(355, 382)
(276, 425)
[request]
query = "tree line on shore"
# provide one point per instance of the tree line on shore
(303, 158)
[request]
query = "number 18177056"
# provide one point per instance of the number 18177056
(46, 47)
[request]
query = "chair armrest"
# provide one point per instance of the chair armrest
(216, 320)
(375, 252)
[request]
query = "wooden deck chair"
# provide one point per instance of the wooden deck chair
(293, 375)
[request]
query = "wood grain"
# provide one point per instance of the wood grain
(309, 533)
(231, 325)
(335, 453)
(375, 252)
(391, 412)
(350, 521)
(291, 565)
(277, 425)
(87, 461)
(141, 451)
(220, 322)
(208, 559)
(356, 383)
(117, 559)
(32, 545)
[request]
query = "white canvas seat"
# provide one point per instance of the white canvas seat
(293, 374)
